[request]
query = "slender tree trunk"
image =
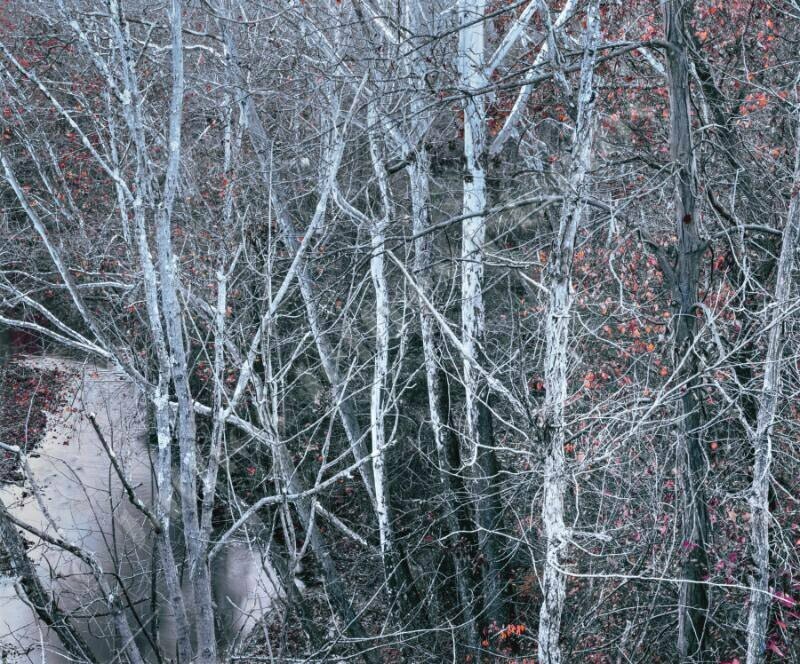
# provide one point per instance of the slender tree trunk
(560, 296)
(232, 145)
(482, 456)
(377, 232)
(159, 397)
(186, 428)
(473, 230)
(445, 441)
(762, 436)
(169, 565)
(693, 593)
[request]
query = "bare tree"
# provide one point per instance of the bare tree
(761, 435)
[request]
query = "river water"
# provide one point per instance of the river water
(83, 501)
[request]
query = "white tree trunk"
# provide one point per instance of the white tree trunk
(196, 550)
(377, 232)
(418, 173)
(481, 459)
(471, 68)
(557, 281)
(757, 621)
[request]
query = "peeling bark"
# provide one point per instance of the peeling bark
(377, 233)
(692, 467)
(482, 460)
(761, 438)
(560, 296)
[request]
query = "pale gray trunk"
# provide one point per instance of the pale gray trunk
(473, 230)
(377, 232)
(198, 569)
(480, 448)
(762, 436)
(560, 296)
(446, 443)
(159, 396)
(232, 145)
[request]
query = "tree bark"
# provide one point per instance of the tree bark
(560, 296)
(445, 441)
(692, 467)
(762, 436)
(196, 550)
(482, 460)
(377, 231)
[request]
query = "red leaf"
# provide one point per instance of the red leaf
(773, 647)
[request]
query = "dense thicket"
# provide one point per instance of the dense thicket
(484, 308)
